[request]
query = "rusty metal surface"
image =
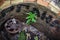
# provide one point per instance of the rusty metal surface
(19, 12)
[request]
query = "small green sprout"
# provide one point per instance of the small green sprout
(31, 18)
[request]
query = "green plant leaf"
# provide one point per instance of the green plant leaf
(33, 20)
(30, 13)
(36, 37)
(22, 36)
(28, 21)
(28, 17)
